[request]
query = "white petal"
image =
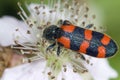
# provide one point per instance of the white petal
(101, 70)
(36, 71)
(8, 31)
(69, 74)
(32, 71)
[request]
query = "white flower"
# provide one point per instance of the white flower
(9, 32)
(46, 65)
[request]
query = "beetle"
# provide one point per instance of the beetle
(81, 40)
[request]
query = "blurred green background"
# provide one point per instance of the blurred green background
(110, 8)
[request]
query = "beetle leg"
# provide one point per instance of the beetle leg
(89, 26)
(58, 50)
(60, 22)
(66, 22)
(51, 46)
(82, 56)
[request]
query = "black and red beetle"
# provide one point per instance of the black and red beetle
(79, 39)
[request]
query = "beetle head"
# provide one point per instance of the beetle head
(50, 32)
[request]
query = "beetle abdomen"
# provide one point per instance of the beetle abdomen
(99, 45)
(89, 42)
